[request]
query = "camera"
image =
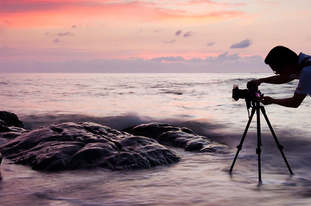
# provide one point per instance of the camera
(250, 95)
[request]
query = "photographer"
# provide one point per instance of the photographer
(287, 66)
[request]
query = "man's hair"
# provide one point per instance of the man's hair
(281, 56)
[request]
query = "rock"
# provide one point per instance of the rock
(176, 136)
(9, 119)
(0, 164)
(85, 145)
(10, 125)
(152, 130)
(12, 132)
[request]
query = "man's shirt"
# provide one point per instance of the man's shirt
(304, 86)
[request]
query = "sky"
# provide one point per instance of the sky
(149, 35)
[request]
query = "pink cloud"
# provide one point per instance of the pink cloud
(215, 3)
(215, 15)
(25, 12)
(29, 6)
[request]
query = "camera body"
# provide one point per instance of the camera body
(250, 95)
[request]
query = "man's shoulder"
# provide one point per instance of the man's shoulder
(303, 56)
(304, 60)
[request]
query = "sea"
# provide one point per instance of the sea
(202, 102)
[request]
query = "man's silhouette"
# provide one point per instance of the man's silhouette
(287, 66)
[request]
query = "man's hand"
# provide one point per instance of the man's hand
(265, 100)
(293, 102)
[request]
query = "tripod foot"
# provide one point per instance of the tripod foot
(259, 183)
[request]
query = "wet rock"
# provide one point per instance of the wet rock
(0, 164)
(12, 132)
(176, 136)
(9, 119)
(10, 126)
(86, 145)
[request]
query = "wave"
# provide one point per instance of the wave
(33, 121)
(119, 122)
(296, 144)
(214, 130)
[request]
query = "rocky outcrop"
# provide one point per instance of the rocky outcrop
(86, 145)
(10, 125)
(176, 136)
(9, 119)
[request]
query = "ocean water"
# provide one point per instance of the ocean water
(201, 102)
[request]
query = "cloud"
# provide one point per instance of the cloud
(210, 44)
(170, 59)
(56, 40)
(26, 6)
(158, 30)
(174, 59)
(222, 63)
(213, 3)
(61, 34)
(243, 44)
(7, 23)
(169, 42)
(177, 33)
(81, 26)
(3, 48)
(207, 16)
(188, 34)
(50, 10)
(228, 57)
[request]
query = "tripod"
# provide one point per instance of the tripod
(257, 108)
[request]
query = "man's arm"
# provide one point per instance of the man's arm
(294, 101)
(276, 79)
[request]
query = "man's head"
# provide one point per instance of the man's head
(282, 60)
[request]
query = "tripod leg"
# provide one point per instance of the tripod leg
(258, 150)
(242, 140)
(280, 147)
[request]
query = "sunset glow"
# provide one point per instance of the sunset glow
(85, 30)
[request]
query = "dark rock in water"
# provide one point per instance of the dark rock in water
(85, 145)
(9, 119)
(0, 164)
(176, 136)
(10, 125)
(12, 132)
